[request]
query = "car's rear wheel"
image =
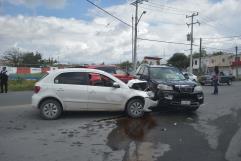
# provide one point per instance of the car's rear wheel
(134, 108)
(50, 109)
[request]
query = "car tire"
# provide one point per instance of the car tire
(229, 82)
(50, 109)
(135, 108)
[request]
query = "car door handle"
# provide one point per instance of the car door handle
(60, 89)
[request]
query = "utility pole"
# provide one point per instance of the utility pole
(191, 36)
(135, 3)
(132, 35)
(236, 61)
(200, 56)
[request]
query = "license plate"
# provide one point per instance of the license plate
(185, 102)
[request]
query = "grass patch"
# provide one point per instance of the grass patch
(36, 76)
(21, 85)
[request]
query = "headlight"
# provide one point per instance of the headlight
(150, 94)
(198, 89)
(164, 87)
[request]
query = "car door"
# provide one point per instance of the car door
(72, 88)
(102, 95)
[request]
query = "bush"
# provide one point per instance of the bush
(21, 85)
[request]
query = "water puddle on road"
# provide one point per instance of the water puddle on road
(116, 138)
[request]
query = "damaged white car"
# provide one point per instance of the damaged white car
(88, 90)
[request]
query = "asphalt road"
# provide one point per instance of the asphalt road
(213, 133)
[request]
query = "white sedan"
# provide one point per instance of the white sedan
(87, 90)
(190, 76)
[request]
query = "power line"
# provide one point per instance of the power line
(226, 50)
(163, 41)
(210, 25)
(160, 9)
(227, 37)
(171, 7)
(109, 13)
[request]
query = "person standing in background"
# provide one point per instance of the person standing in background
(215, 80)
(4, 80)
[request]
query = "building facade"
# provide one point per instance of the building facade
(224, 62)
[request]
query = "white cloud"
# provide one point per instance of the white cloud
(105, 40)
(35, 3)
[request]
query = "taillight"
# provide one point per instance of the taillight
(36, 89)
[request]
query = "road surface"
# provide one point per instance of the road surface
(213, 133)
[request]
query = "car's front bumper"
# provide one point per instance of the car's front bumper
(149, 103)
(177, 99)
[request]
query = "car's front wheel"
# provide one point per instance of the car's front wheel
(134, 108)
(50, 109)
(229, 82)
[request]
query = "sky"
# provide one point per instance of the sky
(74, 31)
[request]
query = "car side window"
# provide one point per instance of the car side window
(75, 78)
(145, 71)
(96, 79)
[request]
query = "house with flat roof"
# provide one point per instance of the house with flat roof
(152, 60)
(224, 62)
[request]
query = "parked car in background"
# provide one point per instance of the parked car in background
(74, 89)
(114, 70)
(230, 75)
(190, 76)
(208, 79)
(205, 80)
(170, 87)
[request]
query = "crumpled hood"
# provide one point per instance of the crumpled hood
(175, 82)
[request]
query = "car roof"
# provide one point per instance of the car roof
(76, 70)
(96, 66)
(157, 66)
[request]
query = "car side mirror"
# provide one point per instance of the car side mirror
(116, 85)
(186, 76)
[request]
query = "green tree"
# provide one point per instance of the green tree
(48, 62)
(179, 60)
(218, 53)
(31, 59)
(125, 65)
(196, 54)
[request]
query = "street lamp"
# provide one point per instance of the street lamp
(144, 12)
(135, 39)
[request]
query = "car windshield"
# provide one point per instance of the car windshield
(111, 70)
(162, 73)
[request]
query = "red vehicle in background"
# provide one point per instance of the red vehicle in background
(114, 70)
